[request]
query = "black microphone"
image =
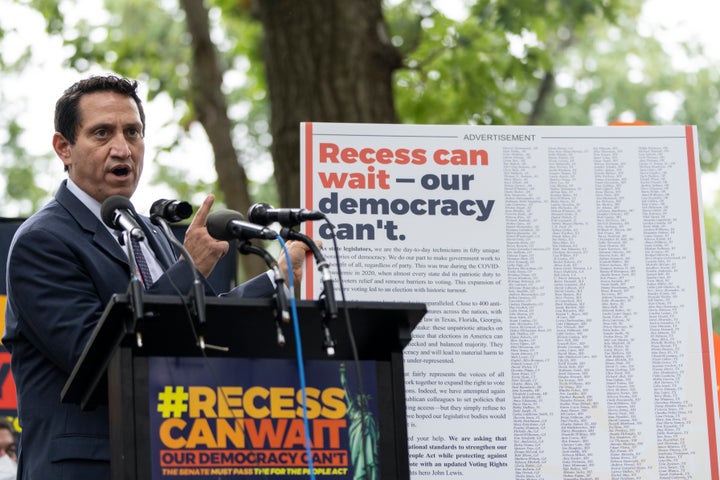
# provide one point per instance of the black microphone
(229, 225)
(264, 214)
(118, 213)
(171, 210)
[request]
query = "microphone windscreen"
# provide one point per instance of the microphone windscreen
(180, 210)
(217, 224)
(170, 210)
(257, 213)
(112, 203)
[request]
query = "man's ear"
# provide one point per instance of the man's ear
(62, 148)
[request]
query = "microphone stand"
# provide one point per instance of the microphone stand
(330, 313)
(197, 291)
(282, 313)
(135, 288)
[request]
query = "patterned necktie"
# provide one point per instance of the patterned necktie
(142, 265)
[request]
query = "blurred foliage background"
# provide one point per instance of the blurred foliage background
(240, 75)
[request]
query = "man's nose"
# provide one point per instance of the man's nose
(120, 146)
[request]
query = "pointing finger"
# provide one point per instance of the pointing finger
(201, 216)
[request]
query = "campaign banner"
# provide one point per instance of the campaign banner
(8, 397)
(568, 332)
(214, 418)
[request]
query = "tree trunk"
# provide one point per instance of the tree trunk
(211, 108)
(326, 61)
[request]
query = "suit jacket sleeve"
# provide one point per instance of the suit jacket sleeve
(59, 292)
(257, 287)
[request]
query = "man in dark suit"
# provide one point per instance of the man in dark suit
(65, 264)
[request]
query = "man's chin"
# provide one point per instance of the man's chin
(124, 191)
(126, 188)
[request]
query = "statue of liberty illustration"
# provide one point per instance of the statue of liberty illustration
(362, 432)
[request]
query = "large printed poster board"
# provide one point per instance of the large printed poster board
(568, 334)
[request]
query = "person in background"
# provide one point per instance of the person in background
(64, 265)
(8, 451)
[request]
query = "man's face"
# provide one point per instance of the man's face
(107, 157)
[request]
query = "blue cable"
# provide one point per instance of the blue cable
(298, 347)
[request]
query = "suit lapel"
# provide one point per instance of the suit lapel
(102, 237)
(90, 223)
(158, 243)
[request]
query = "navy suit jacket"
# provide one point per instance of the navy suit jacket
(63, 267)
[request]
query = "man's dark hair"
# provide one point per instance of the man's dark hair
(66, 108)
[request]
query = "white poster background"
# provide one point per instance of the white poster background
(563, 269)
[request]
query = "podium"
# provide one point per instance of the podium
(115, 365)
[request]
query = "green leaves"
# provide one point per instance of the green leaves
(510, 62)
(20, 172)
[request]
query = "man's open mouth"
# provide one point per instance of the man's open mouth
(121, 171)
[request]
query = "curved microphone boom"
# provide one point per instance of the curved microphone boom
(331, 309)
(170, 210)
(264, 214)
(282, 312)
(118, 213)
(162, 212)
(229, 225)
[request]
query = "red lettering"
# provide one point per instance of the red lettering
(356, 180)
(328, 153)
(384, 156)
(348, 155)
(461, 157)
(418, 156)
(367, 155)
(332, 179)
(8, 399)
(261, 431)
(332, 153)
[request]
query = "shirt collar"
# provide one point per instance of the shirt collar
(93, 205)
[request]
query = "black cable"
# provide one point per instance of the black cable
(330, 312)
(282, 311)
(353, 345)
(197, 291)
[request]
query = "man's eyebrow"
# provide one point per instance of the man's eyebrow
(110, 126)
(137, 125)
(100, 125)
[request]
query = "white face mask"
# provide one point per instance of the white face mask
(8, 468)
